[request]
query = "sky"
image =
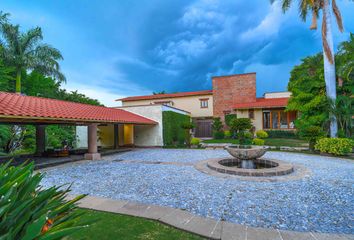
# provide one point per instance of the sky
(118, 48)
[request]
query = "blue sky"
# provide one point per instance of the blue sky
(114, 49)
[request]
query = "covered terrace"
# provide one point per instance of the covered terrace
(19, 109)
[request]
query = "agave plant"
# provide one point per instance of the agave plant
(28, 211)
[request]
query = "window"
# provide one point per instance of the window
(278, 119)
(251, 114)
(204, 103)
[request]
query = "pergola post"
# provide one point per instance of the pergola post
(92, 143)
(116, 140)
(40, 139)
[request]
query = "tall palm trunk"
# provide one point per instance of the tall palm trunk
(18, 81)
(329, 65)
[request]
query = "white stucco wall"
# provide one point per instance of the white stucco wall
(147, 135)
(277, 95)
(81, 136)
(188, 103)
(257, 121)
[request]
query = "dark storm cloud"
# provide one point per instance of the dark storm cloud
(126, 48)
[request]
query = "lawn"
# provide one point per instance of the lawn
(117, 226)
(290, 142)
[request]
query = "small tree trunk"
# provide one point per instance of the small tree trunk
(329, 68)
(18, 81)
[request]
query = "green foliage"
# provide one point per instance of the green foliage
(172, 132)
(5, 136)
(56, 134)
(261, 134)
(31, 212)
(227, 134)
(311, 134)
(336, 146)
(6, 76)
(308, 89)
(195, 141)
(217, 125)
(218, 135)
(245, 137)
(229, 118)
(258, 141)
(24, 51)
(240, 124)
(281, 134)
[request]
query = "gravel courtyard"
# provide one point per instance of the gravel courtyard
(323, 202)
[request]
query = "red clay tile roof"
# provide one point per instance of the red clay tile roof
(167, 95)
(263, 103)
(27, 107)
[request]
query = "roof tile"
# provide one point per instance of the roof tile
(27, 106)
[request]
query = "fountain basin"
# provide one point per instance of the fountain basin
(250, 152)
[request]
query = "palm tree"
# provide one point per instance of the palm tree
(24, 51)
(315, 6)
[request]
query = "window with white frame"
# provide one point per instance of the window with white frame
(204, 103)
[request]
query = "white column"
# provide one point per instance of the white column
(92, 143)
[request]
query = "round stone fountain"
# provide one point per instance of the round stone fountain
(247, 161)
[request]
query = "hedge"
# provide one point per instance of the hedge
(172, 131)
(281, 134)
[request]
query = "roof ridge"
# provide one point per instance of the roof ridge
(53, 99)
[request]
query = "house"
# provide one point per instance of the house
(233, 94)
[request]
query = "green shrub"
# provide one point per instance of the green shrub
(240, 124)
(195, 141)
(217, 125)
(218, 135)
(311, 134)
(258, 141)
(245, 137)
(187, 126)
(172, 132)
(281, 134)
(30, 212)
(227, 134)
(229, 118)
(261, 134)
(336, 146)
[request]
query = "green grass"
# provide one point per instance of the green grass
(233, 141)
(289, 142)
(117, 226)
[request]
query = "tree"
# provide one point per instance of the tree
(160, 92)
(24, 51)
(315, 6)
(309, 91)
(241, 126)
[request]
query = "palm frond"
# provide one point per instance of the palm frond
(30, 38)
(338, 15)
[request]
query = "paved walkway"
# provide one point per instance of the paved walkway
(205, 227)
(321, 201)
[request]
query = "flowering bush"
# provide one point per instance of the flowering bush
(336, 146)
(195, 141)
(261, 134)
(258, 141)
(227, 134)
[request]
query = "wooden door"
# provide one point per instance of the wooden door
(203, 128)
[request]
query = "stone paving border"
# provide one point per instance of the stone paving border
(205, 227)
(277, 167)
